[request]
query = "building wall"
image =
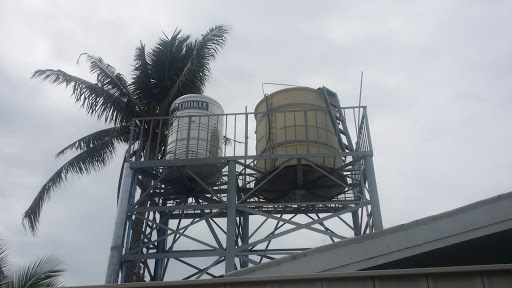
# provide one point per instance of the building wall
(491, 276)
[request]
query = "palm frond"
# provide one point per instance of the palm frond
(3, 264)
(97, 101)
(197, 68)
(142, 85)
(166, 61)
(90, 160)
(119, 134)
(174, 67)
(43, 272)
(109, 79)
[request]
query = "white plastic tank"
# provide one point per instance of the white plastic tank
(195, 129)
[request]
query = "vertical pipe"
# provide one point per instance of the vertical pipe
(231, 217)
(114, 259)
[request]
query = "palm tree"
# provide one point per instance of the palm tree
(176, 66)
(3, 264)
(42, 272)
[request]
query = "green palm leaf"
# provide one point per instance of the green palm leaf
(142, 86)
(116, 133)
(165, 63)
(109, 79)
(43, 272)
(174, 67)
(89, 160)
(197, 69)
(98, 101)
(3, 264)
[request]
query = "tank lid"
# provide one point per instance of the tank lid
(262, 101)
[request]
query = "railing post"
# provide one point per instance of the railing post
(231, 217)
(246, 148)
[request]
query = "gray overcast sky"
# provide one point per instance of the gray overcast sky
(437, 86)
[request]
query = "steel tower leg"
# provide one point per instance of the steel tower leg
(231, 217)
(245, 235)
(374, 195)
(355, 222)
(114, 259)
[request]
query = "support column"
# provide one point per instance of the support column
(374, 195)
(231, 217)
(245, 235)
(355, 222)
(114, 259)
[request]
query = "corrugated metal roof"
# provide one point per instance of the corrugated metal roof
(494, 276)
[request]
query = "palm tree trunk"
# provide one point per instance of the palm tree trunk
(134, 271)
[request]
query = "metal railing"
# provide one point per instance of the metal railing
(284, 134)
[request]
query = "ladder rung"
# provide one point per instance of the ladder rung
(342, 131)
(341, 119)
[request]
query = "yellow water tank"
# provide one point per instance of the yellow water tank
(291, 121)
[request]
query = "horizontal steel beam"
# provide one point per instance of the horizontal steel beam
(298, 227)
(208, 253)
(176, 254)
(296, 224)
(178, 207)
(224, 160)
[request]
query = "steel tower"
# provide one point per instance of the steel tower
(203, 217)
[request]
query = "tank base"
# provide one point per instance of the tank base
(184, 184)
(316, 187)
